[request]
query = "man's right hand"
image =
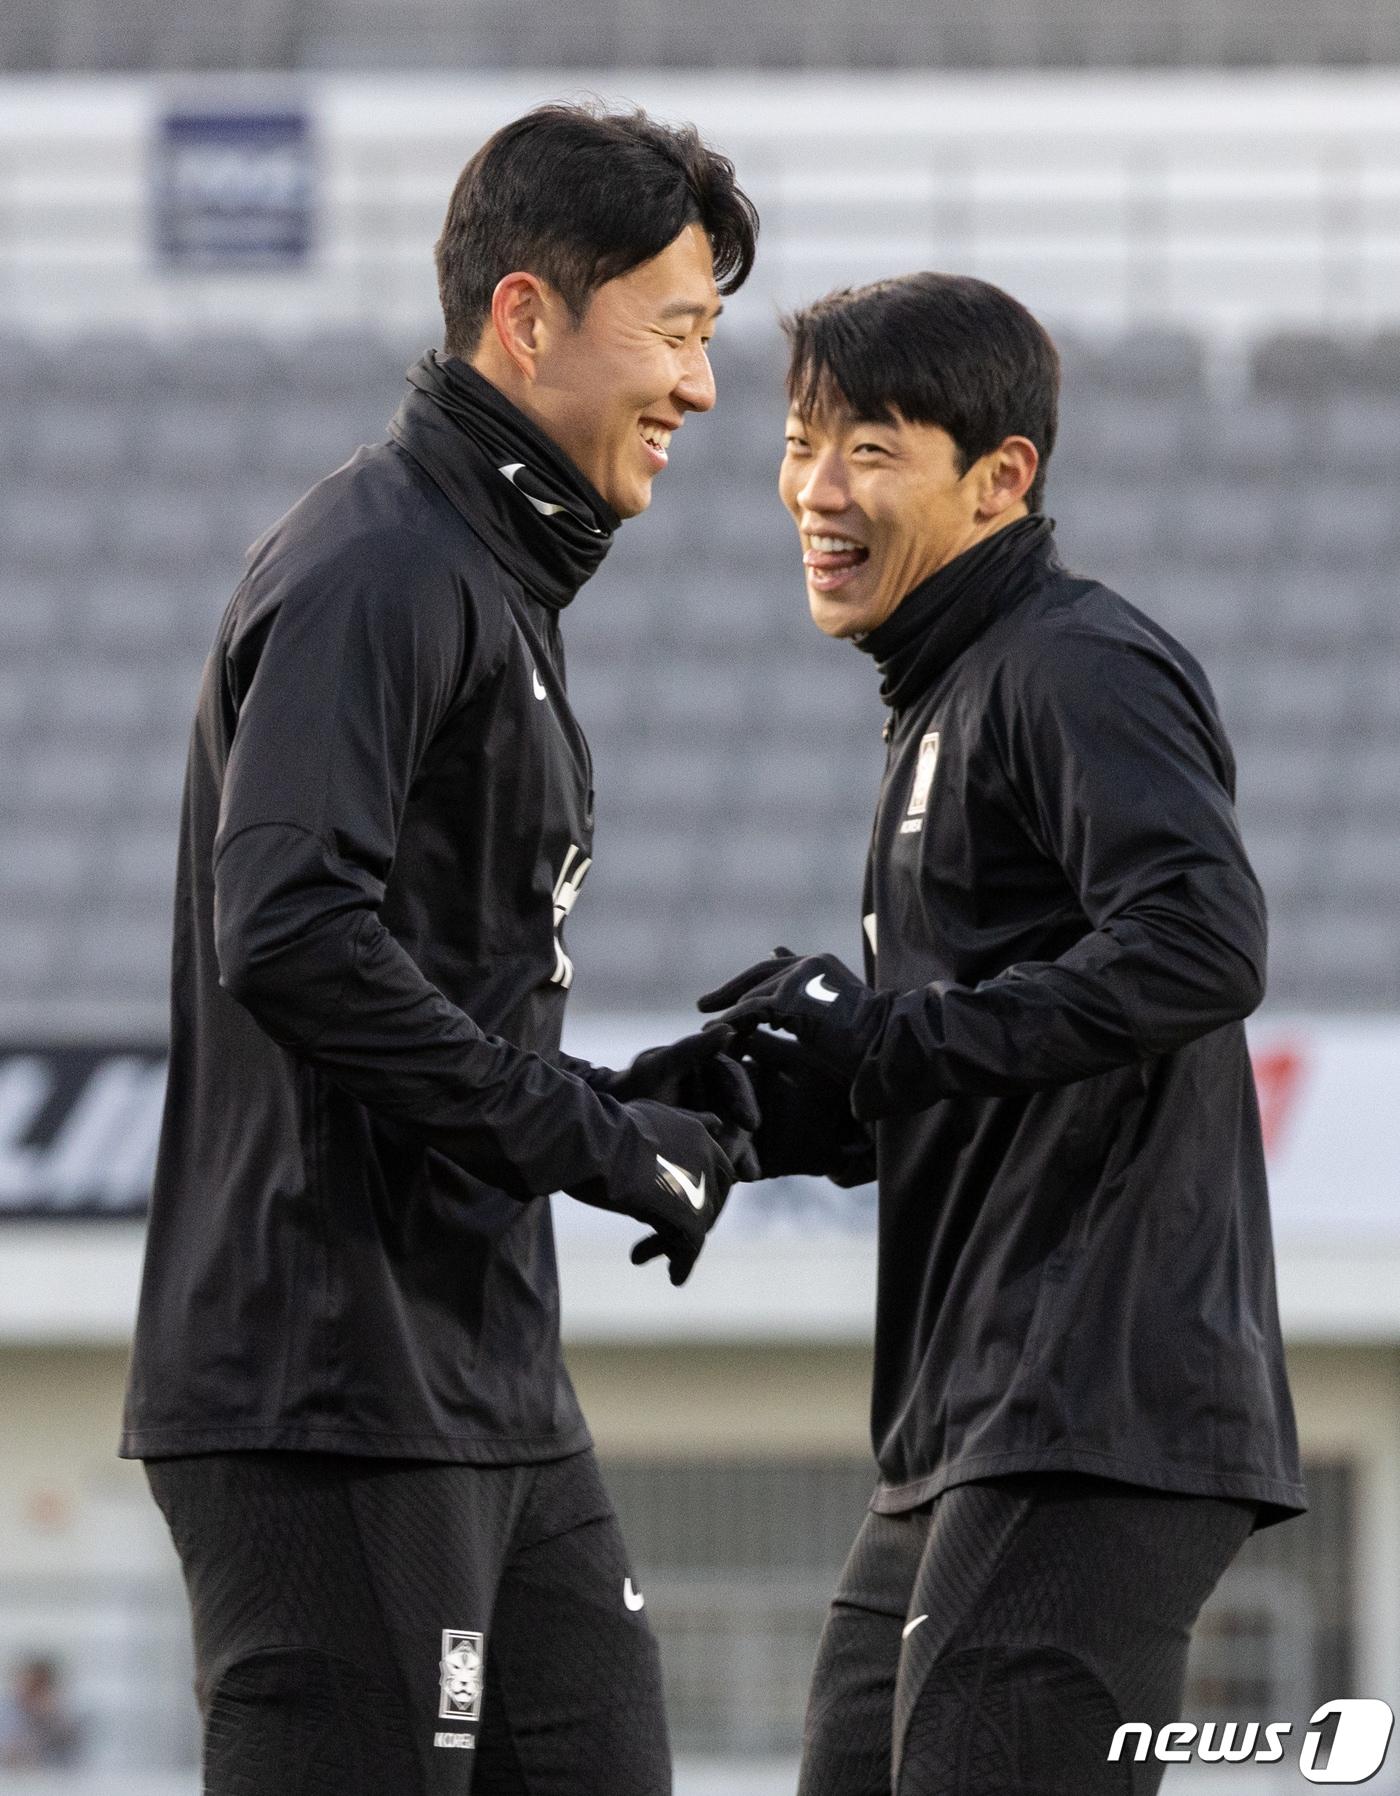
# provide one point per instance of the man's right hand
(805, 1125)
(675, 1181)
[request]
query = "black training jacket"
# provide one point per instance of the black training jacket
(1076, 1268)
(387, 817)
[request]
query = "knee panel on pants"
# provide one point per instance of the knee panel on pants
(1009, 1721)
(296, 1722)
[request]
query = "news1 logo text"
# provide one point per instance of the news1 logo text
(1345, 1743)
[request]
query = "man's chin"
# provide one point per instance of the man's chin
(633, 502)
(835, 615)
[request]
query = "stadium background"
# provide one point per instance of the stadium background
(215, 235)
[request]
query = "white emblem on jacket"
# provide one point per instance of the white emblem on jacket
(566, 891)
(461, 1665)
(923, 784)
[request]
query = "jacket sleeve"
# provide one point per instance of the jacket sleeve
(1125, 780)
(854, 1164)
(596, 1076)
(336, 700)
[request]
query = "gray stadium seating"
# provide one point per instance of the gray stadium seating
(737, 751)
(609, 34)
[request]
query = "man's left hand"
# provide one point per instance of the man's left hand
(695, 1073)
(815, 997)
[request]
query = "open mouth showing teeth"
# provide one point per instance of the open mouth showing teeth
(831, 560)
(658, 439)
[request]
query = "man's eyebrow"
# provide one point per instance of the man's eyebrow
(688, 308)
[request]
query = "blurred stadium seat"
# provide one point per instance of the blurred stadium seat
(390, 34)
(737, 757)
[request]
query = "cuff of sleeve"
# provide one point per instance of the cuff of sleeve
(868, 1098)
(596, 1078)
(896, 1075)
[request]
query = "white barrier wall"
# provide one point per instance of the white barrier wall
(1230, 202)
(795, 1258)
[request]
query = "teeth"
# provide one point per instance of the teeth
(833, 545)
(658, 438)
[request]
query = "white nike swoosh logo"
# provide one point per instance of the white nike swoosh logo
(694, 1189)
(543, 506)
(537, 683)
(633, 1598)
(911, 1625)
(819, 989)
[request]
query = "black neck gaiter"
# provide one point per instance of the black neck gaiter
(930, 628)
(535, 511)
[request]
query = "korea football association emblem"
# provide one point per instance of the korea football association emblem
(462, 1668)
(923, 784)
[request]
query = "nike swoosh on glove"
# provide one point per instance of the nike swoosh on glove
(695, 1073)
(806, 1124)
(675, 1179)
(815, 997)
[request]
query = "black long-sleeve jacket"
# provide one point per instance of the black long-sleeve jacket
(387, 818)
(1076, 1266)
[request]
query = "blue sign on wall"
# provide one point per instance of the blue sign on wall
(234, 190)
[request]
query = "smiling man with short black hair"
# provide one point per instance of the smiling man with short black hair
(347, 1383)
(1080, 1408)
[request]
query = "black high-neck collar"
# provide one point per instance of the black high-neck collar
(523, 496)
(930, 628)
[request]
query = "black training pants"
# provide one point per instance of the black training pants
(398, 1628)
(990, 1642)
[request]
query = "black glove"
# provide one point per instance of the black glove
(806, 1124)
(815, 997)
(695, 1073)
(675, 1178)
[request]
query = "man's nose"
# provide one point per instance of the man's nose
(823, 489)
(696, 388)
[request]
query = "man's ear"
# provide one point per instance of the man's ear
(1010, 473)
(518, 308)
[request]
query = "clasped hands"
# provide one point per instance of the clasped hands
(772, 1105)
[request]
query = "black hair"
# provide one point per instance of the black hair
(932, 349)
(579, 195)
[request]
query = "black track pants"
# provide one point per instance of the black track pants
(395, 1628)
(990, 1642)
